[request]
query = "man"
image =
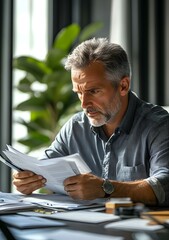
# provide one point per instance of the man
(124, 140)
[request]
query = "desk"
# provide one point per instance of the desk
(38, 234)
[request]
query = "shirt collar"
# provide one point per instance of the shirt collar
(128, 119)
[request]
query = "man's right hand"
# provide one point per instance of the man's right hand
(26, 182)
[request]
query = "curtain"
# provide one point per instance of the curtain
(141, 27)
(63, 12)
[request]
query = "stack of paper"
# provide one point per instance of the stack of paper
(10, 203)
(24, 222)
(76, 216)
(62, 234)
(55, 170)
(58, 202)
(134, 224)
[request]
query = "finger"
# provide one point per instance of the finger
(77, 188)
(71, 180)
(27, 186)
(28, 180)
(28, 189)
(76, 195)
(23, 174)
(70, 188)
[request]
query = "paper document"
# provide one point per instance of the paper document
(9, 163)
(10, 203)
(69, 234)
(55, 170)
(57, 201)
(76, 216)
(24, 222)
(134, 224)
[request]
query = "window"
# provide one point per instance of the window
(30, 38)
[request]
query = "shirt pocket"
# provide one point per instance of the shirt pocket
(128, 173)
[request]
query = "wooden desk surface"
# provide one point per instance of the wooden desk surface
(160, 216)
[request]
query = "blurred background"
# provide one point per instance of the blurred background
(35, 37)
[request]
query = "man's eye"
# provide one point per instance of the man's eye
(94, 91)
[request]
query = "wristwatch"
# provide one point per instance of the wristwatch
(107, 187)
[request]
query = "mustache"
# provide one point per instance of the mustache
(91, 109)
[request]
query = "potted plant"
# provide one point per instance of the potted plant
(51, 107)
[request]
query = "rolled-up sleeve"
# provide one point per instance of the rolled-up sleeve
(157, 188)
(159, 162)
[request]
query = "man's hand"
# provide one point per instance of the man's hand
(84, 187)
(89, 186)
(26, 182)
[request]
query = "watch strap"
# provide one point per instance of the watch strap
(107, 195)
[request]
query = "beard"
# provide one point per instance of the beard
(103, 116)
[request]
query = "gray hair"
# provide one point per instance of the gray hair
(112, 55)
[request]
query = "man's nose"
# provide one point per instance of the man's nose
(84, 100)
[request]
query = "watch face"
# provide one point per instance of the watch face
(108, 187)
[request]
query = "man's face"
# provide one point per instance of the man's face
(99, 99)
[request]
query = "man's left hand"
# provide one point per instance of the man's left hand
(84, 187)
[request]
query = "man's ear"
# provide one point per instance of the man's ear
(124, 86)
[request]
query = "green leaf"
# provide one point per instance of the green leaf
(31, 65)
(24, 85)
(66, 37)
(59, 83)
(54, 58)
(56, 77)
(51, 100)
(90, 30)
(45, 122)
(36, 126)
(32, 104)
(35, 140)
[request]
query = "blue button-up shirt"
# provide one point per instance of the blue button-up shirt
(138, 149)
